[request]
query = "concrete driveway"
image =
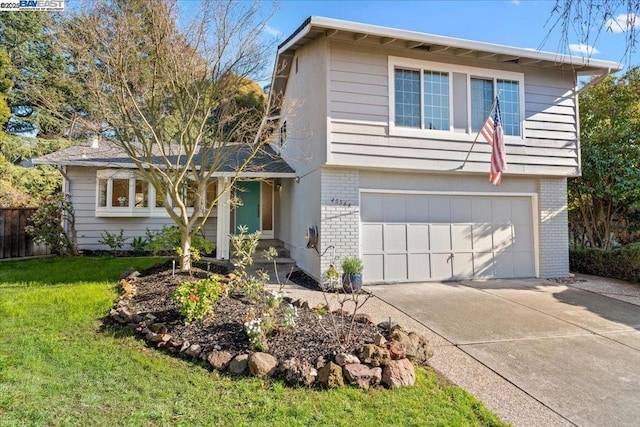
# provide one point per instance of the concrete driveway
(574, 351)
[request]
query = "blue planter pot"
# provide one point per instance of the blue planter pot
(352, 282)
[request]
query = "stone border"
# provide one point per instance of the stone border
(388, 362)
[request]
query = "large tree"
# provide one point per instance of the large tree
(587, 19)
(168, 93)
(604, 201)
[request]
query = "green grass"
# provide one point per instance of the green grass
(57, 367)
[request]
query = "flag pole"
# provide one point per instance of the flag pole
(493, 107)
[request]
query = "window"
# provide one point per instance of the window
(482, 98)
(429, 111)
(453, 101)
(123, 193)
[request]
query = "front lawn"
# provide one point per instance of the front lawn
(59, 367)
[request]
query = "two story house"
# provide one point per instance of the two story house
(375, 127)
(379, 122)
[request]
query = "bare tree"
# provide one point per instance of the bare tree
(587, 19)
(167, 93)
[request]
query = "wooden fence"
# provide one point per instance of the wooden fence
(14, 241)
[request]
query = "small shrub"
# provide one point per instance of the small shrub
(169, 239)
(257, 334)
(49, 221)
(139, 244)
(620, 263)
(113, 240)
(352, 265)
(289, 318)
(196, 299)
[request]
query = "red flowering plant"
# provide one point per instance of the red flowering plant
(196, 299)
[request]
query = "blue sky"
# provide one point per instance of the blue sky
(519, 23)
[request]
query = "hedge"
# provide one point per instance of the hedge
(620, 263)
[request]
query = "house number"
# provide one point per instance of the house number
(340, 202)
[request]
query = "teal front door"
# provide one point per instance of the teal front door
(248, 214)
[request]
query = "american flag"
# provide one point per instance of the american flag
(492, 133)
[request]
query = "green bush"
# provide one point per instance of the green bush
(620, 263)
(196, 298)
(352, 265)
(168, 239)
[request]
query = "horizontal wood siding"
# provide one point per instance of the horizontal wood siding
(82, 186)
(359, 127)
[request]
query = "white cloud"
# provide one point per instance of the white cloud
(622, 23)
(515, 2)
(584, 49)
(273, 32)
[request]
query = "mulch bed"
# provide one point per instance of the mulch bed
(310, 339)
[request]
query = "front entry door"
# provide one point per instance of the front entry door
(256, 211)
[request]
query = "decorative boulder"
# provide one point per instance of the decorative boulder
(363, 318)
(194, 350)
(362, 375)
(417, 347)
(396, 349)
(262, 364)
(346, 359)
(374, 355)
(298, 372)
(330, 376)
(219, 360)
(398, 373)
(239, 364)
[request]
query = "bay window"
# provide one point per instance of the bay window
(125, 194)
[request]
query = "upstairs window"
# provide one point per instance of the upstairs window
(447, 101)
(422, 99)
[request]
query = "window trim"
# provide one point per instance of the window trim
(475, 72)
(129, 211)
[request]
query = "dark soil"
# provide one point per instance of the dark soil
(310, 339)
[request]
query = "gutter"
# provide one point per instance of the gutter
(593, 81)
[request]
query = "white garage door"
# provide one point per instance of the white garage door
(415, 237)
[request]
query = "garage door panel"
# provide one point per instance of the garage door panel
(373, 211)
(419, 267)
(440, 210)
(395, 238)
(461, 237)
(524, 264)
(505, 265)
(523, 238)
(502, 237)
(463, 265)
(372, 238)
(440, 237)
(417, 209)
(373, 268)
(481, 210)
(521, 211)
(482, 237)
(483, 265)
(417, 237)
(395, 267)
(461, 210)
(441, 266)
(395, 209)
(501, 211)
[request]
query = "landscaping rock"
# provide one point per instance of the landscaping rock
(362, 375)
(194, 350)
(262, 364)
(298, 372)
(417, 347)
(320, 362)
(398, 373)
(346, 359)
(219, 360)
(340, 312)
(185, 346)
(396, 349)
(363, 318)
(380, 340)
(239, 364)
(330, 376)
(159, 328)
(374, 355)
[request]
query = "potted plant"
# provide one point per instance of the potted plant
(352, 274)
